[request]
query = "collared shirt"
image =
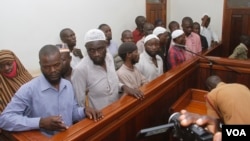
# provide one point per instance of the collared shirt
(113, 48)
(175, 56)
(137, 35)
(240, 52)
(140, 45)
(209, 34)
(38, 99)
(101, 85)
(231, 101)
(147, 67)
(193, 43)
(131, 77)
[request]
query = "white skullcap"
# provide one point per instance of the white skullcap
(177, 33)
(159, 30)
(149, 37)
(94, 35)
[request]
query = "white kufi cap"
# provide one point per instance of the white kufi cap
(94, 35)
(177, 33)
(149, 37)
(159, 30)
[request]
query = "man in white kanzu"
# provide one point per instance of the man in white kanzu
(95, 80)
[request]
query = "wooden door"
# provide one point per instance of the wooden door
(236, 22)
(156, 9)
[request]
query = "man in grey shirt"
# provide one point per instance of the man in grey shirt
(95, 80)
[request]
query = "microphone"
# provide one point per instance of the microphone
(211, 62)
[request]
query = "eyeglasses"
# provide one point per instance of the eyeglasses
(93, 50)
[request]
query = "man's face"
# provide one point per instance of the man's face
(206, 21)
(187, 27)
(180, 40)
(152, 47)
(141, 22)
(134, 56)
(148, 29)
(127, 37)
(196, 29)
(163, 37)
(107, 31)
(51, 67)
(69, 38)
(66, 59)
(97, 51)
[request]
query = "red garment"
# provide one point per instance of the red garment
(13, 71)
(137, 35)
(175, 57)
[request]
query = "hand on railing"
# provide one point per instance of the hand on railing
(93, 114)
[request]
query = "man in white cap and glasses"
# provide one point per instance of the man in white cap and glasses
(150, 63)
(163, 36)
(95, 80)
(176, 55)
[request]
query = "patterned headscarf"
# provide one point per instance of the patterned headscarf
(8, 86)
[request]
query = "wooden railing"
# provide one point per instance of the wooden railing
(125, 117)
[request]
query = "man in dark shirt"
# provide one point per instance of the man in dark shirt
(197, 29)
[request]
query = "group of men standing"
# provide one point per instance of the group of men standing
(51, 103)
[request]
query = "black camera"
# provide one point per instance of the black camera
(190, 133)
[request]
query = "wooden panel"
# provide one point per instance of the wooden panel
(230, 70)
(156, 11)
(236, 22)
(192, 100)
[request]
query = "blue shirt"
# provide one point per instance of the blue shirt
(37, 99)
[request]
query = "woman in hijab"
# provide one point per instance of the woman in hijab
(12, 76)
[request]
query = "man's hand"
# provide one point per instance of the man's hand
(77, 52)
(187, 118)
(93, 114)
(53, 123)
(137, 93)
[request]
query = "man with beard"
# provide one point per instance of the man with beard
(46, 102)
(68, 37)
(128, 73)
(150, 63)
(95, 80)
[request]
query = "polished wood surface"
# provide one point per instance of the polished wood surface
(193, 100)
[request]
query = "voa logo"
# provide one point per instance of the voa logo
(236, 132)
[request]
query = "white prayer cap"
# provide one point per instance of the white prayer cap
(177, 33)
(94, 35)
(149, 37)
(159, 30)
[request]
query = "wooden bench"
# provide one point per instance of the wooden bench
(193, 100)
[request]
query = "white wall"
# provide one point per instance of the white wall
(27, 25)
(177, 9)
